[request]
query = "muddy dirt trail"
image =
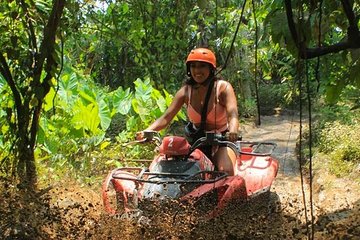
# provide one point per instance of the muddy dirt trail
(73, 211)
(335, 202)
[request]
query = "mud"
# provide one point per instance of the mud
(70, 210)
(329, 208)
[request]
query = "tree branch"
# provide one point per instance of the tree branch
(47, 45)
(321, 51)
(291, 23)
(349, 13)
(30, 26)
(5, 71)
(353, 30)
(353, 40)
(47, 51)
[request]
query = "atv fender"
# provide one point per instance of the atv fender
(235, 190)
(120, 186)
(229, 189)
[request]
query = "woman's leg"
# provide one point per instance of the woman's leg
(225, 159)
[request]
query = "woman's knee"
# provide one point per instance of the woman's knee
(225, 160)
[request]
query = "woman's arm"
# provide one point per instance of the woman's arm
(228, 99)
(175, 106)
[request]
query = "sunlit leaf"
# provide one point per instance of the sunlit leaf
(143, 89)
(104, 145)
(86, 117)
(48, 100)
(104, 114)
(2, 82)
(161, 103)
(88, 95)
(122, 100)
(67, 87)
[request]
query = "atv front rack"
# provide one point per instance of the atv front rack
(144, 176)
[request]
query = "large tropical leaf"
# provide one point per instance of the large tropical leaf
(142, 108)
(122, 100)
(2, 82)
(88, 94)
(104, 114)
(143, 89)
(67, 87)
(49, 100)
(86, 117)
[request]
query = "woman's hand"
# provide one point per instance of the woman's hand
(233, 136)
(139, 135)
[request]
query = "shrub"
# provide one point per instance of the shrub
(341, 143)
(276, 95)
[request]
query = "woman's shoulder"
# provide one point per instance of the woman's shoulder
(184, 88)
(223, 84)
(222, 81)
(183, 92)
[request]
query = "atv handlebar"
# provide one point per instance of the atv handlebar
(151, 136)
(218, 139)
(146, 137)
(215, 139)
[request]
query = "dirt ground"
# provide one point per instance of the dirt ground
(335, 208)
(75, 211)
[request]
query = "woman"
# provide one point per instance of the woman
(222, 112)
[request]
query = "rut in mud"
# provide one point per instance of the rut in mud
(71, 211)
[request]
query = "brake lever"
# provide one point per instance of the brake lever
(136, 142)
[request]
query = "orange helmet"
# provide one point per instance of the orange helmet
(202, 55)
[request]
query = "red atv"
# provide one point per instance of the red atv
(183, 172)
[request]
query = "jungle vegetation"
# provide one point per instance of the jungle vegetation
(80, 77)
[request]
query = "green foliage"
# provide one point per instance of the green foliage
(276, 95)
(77, 114)
(337, 137)
(80, 113)
(148, 105)
(81, 103)
(331, 113)
(148, 102)
(341, 143)
(6, 104)
(122, 41)
(337, 71)
(248, 108)
(279, 31)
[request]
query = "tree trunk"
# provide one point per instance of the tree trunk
(26, 168)
(27, 115)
